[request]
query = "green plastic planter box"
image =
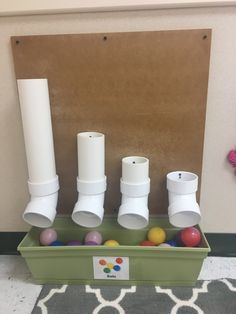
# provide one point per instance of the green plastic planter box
(129, 263)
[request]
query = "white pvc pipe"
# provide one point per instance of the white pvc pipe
(88, 211)
(37, 128)
(135, 169)
(183, 208)
(133, 212)
(91, 180)
(91, 158)
(135, 187)
(41, 210)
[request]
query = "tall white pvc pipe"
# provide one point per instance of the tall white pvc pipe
(135, 187)
(91, 180)
(37, 128)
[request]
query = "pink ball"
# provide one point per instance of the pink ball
(47, 236)
(93, 236)
(190, 237)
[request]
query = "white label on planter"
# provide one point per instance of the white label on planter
(110, 267)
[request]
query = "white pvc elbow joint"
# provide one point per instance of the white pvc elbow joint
(133, 212)
(89, 209)
(183, 208)
(41, 209)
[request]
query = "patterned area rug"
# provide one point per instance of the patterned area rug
(207, 297)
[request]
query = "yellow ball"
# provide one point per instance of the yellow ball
(111, 243)
(157, 235)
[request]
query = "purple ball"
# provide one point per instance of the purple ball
(47, 236)
(93, 236)
(74, 242)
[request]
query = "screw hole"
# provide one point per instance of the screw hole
(180, 175)
(104, 38)
(17, 42)
(204, 37)
(133, 162)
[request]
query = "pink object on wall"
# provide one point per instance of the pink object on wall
(232, 157)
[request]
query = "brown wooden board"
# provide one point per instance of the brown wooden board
(146, 91)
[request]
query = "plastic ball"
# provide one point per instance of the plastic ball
(111, 243)
(47, 236)
(156, 235)
(57, 243)
(190, 237)
(94, 236)
(172, 242)
(74, 243)
(147, 243)
(164, 245)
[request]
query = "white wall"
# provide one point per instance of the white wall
(218, 193)
(26, 7)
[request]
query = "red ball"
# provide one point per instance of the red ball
(190, 237)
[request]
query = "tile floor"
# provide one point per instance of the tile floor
(18, 293)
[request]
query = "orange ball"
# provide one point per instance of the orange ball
(157, 235)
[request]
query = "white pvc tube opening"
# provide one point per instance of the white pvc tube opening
(183, 208)
(135, 187)
(37, 128)
(89, 211)
(41, 211)
(91, 181)
(133, 212)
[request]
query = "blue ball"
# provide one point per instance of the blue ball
(172, 242)
(57, 243)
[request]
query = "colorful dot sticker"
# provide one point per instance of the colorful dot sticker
(111, 267)
(119, 260)
(102, 262)
(116, 268)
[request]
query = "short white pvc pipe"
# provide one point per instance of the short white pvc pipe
(183, 208)
(135, 187)
(133, 213)
(89, 211)
(91, 180)
(37, 128)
